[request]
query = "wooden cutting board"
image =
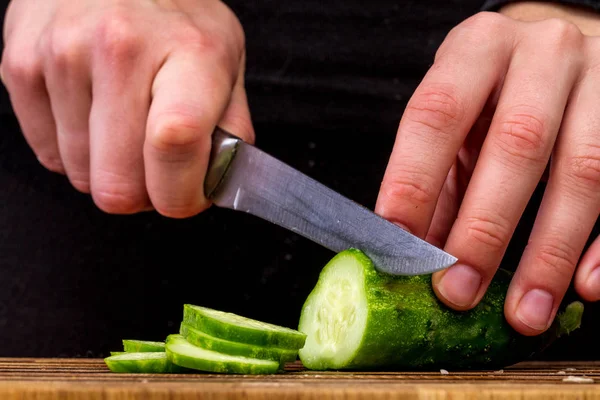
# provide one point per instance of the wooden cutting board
(83, 379)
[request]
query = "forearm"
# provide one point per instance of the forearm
(586, 18)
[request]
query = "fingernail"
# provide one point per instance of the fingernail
(460, 285)
(593, 282)
(534, 309)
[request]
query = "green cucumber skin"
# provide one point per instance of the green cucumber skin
(290, 339)
(205, 341)
(142, 346)
(408, 327)
(188, 362)
(144, 366)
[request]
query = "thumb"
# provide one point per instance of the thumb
(236, 119)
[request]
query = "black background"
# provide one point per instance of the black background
(327, 83)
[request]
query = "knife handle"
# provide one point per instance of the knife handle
(223, 148)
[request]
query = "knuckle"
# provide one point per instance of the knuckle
(226, 39)
(409, 187)
(483, 25)
(236, 29)
(64, 47)
(557, 257)
(485, 21)
(176, 132)
(117, 202)
(492, 232)
(522, 134)
(436, 109)
(561, 33)
(479, 32)
(20, 68)
(583, 168)
(215, 44)
(203, 41)
(117, 38)
(119, 198)
(230, 20)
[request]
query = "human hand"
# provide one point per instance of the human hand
(503, 100)
(123, 96)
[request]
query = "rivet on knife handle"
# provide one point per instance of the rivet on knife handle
(224, 146)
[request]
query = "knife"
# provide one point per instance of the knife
(244, 178)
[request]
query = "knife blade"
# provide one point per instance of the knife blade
(242, 177)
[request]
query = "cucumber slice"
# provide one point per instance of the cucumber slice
(146, 362)
(183, 353)
(358, 318)
(116, 353)
(142, 346)
(235, 328)
(208, 342)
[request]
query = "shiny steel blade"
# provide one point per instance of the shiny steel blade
(246, 179)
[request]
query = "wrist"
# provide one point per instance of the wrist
(587, 20)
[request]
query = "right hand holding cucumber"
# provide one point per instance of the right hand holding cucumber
(503, 101)
(123, 96)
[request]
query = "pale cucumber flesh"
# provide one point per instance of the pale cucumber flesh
(181, 352)
(235, 328)
(334, 315)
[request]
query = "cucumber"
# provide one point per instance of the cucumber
(142, 346)
(116, 353)
(208, 342)
(183, 353)
(146, 362)
(235, 328)
(358, 318)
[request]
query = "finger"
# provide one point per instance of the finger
(587, 277)
(512, 160)
(22, 73)
(236, 117)
(446, 210)
(565, 219)
(436, 121)
(121, 81)
(458, 179)
(69, 86)
(190, 94)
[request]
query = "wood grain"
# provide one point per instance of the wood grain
(83, 379)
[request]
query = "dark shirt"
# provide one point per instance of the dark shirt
(327, 83)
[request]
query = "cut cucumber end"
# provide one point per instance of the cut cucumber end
(334, 315)
(180, 352)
